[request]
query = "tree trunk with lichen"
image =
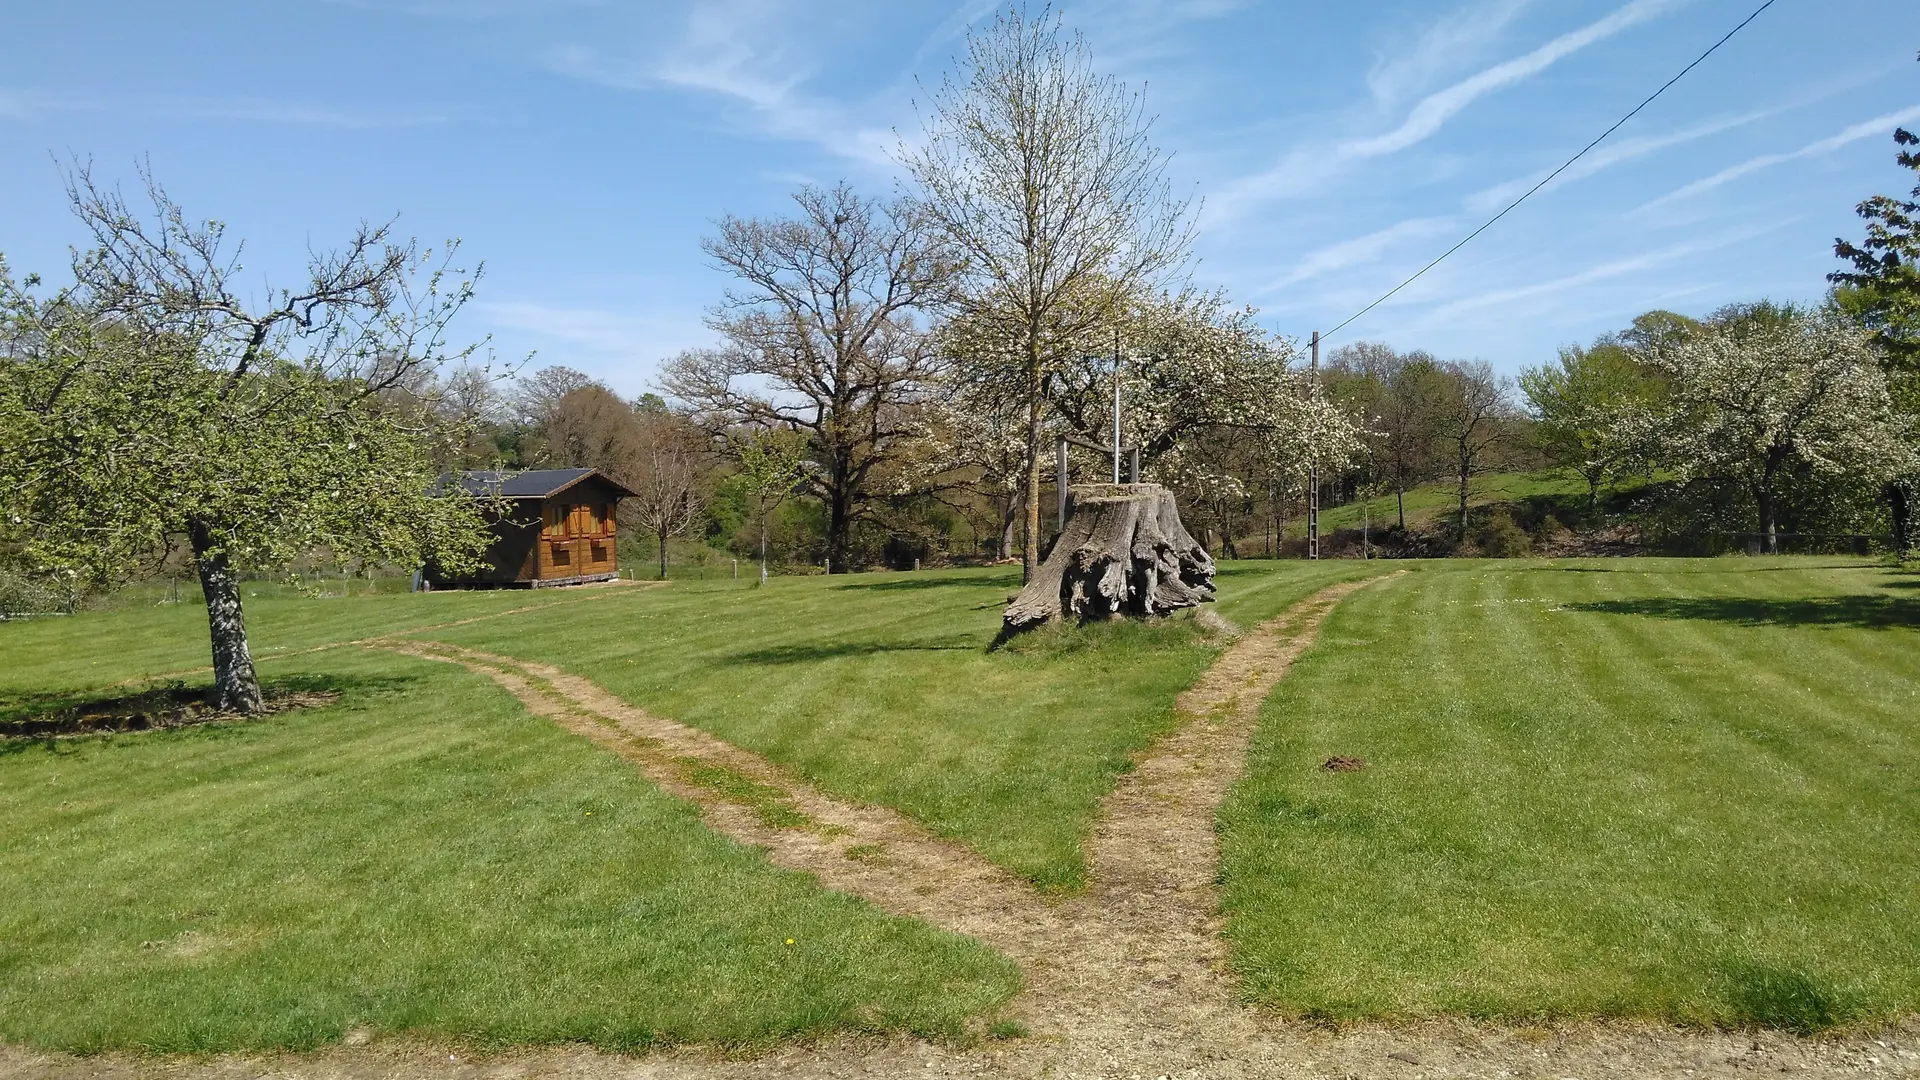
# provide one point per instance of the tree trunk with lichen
(236, 688)
(1124, 552)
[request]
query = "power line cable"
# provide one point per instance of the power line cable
(1549, 177)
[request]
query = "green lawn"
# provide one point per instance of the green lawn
(1682, 789)
(421, 856)
(1656, 788)
(880, 687)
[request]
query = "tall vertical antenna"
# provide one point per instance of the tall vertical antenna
(1060, 481)
(1313, 470)
(1116, 404)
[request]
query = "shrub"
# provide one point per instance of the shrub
(1501, 537)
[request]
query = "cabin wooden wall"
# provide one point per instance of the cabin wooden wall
(571, 535)
(578, 533)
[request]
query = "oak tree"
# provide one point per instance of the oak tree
(824, 334)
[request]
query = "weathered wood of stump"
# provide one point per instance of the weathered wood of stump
(1124, 552)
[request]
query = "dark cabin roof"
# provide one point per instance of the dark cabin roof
(536, 484)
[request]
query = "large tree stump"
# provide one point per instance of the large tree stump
(1124, 552)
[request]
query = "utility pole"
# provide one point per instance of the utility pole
(1366, 525)
(1116, 405)
(1313, 470)
(1060, 482)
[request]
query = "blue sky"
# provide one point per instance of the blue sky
(582, 149)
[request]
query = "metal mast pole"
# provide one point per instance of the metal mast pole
(1116, 406)
(1313, 469)
(1060, 482)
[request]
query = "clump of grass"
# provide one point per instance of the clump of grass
(1007, 1029)
(773, 806)
(1055, 641)
(1782, 997)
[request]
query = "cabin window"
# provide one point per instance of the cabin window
(553, 520)
(562, 555)
(599, 552)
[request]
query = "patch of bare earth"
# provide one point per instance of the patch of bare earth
(154, 709)
(1128, 979)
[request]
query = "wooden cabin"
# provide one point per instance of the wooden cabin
(558, 529)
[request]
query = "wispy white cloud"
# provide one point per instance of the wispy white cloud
(303, 114)
(610, 335)
(1305, 168)
(1616, 268)
(1130, 33)
(1879, 125)
(1402, 71)
(466, 9)
(1609, 155)
(1358, 251)
(29, 105)
(954, 26)
(1436, 109)
(34, 105)
(732, 50)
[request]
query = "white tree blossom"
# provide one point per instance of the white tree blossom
(1208, 396)
(1753, 399)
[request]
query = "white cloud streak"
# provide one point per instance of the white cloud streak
(714, 55)
(1617, 268)
(29, 105)
(1399, 74)
(302, 115)
(1358, 251)
(607, 333)
(1610, 155)
(1879, 125)
(1436, 109)
(1302, 169)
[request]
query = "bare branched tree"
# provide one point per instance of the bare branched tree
(591, 427)
(1040, 171)
(824, 337)
(537, 394)
(668, 476)
(1472, 417)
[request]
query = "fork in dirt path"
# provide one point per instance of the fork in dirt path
(1146, 956)
(1139, 950)
(866, 850)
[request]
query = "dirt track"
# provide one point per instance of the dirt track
(1125, 980)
